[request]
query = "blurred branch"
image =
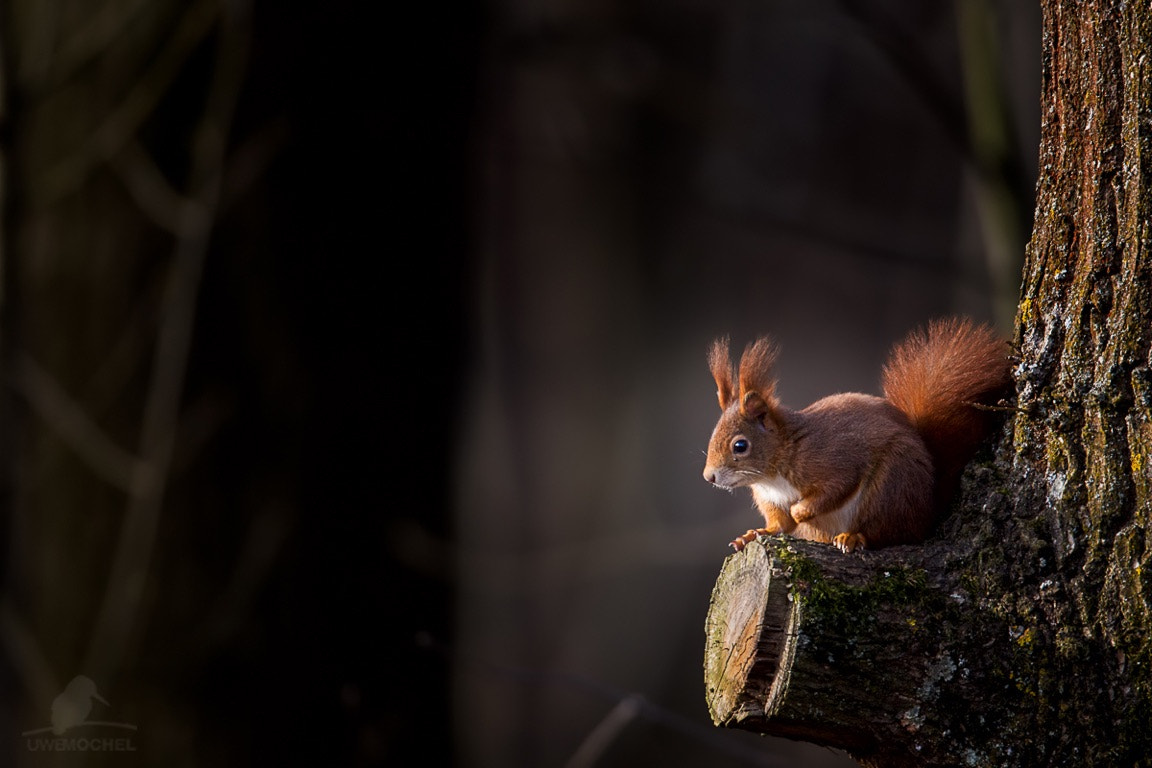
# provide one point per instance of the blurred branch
(70, 422)
(164, 205)
(598, 740)
(121, 125)
(90, 41)
(267, 531)
(199, 423)
(149, 189)
(119, 611)
(116, 368)
(248, 163)
(628, 706)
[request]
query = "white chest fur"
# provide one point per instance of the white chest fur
(775, 491)
(780, 493)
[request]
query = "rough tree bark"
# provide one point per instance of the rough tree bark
(1019, 634)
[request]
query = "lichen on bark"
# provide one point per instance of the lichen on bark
(1079, 451)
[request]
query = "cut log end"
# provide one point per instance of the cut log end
(750, 639)
(805, 642)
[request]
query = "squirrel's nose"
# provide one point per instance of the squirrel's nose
(710, 475)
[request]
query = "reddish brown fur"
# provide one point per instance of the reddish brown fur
(721, 368)
(858, 443)
(938, 378)
(856, 469)
(756, 377)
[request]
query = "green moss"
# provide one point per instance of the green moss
(833, 602)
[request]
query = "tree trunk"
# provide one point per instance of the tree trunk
(1019, 635)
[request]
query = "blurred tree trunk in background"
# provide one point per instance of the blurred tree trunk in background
(1022, 636)
(195, 333)
(117, 163)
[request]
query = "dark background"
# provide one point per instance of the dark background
(447, 380)
(367, 232)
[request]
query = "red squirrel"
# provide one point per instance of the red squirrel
(856, 470)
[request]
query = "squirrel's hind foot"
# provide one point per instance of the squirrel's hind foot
(847, 542)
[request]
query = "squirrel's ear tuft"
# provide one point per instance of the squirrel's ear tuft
(756, 377)
(721, 366)
(754, 407)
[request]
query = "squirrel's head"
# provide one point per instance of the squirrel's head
(746, 438)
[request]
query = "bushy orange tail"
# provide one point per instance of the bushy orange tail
(937, 377)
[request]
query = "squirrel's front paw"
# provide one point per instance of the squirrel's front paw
(740, 542)
(846, 542)
(801, 512)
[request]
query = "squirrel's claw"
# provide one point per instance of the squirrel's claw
(847, 542)
(750, 536)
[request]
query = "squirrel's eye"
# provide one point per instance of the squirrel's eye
(739, 446)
